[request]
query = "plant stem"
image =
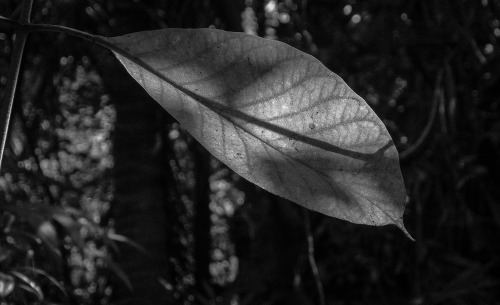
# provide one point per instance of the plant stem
(312, 259)
(96, 39)
(60, 29)
(15, 66)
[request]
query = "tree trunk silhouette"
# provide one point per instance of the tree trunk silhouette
(139, 173)
(139, 195)
(140, 184)
(202, 216)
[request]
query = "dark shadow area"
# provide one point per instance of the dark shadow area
(95, 171)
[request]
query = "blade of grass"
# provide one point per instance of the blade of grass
(15, 66)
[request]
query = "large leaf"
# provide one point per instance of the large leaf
(276, 116)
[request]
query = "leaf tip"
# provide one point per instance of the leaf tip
(408, 234)
(401, 226)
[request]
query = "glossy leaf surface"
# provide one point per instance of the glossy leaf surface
(276, 116)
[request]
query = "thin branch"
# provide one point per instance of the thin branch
(408, 154)
(65, 30)
(450, 89)
(312, 260)
(442, 112)
(15, 66)
(419, 251)
(11, 22)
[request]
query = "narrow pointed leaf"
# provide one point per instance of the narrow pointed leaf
(276, 116)
(30, 286)
(46, 275)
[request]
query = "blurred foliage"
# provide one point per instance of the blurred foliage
(430, 69)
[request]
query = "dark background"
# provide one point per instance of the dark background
(91, 159)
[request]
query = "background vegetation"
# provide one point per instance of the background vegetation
(102, 191)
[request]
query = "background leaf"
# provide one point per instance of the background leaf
(276, 116)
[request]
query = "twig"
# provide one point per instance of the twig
(15, 66)
(419, 236)
(450, 89)
(312, 260)
(442, 113)
(408, 154)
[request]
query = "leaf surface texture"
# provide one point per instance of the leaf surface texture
(276, 116)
